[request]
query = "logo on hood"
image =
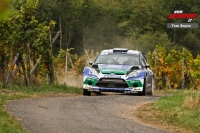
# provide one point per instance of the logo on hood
(113, 69)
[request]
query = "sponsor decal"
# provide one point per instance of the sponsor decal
(112, 75)
(119, 67)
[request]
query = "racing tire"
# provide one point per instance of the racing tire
(143, 93)
(152, 87)
(150, 93)
(86, 92)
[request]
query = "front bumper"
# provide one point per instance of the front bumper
(104, 89)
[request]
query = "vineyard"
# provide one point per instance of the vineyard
(175, 69)
(27, 57)
(168, 66)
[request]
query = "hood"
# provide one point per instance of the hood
(117, 69)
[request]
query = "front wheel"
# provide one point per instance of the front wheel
(86, 92)
(150, 90)
(144, 89)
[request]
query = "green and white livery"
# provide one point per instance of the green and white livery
(118, 70)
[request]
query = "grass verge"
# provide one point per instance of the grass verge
(179, 112)
(9, 124)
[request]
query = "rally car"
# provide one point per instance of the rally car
(119, 70)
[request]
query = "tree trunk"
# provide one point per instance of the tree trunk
(28, 64)
(183, 77)
(17, 69)
(11, 60)
(23, 68)
(10, 70)
(35, 68)
(3, 68)
(50, 66)
(66, 67)
(60, 32)
(70, 59)
(51, 72)
(24, 71)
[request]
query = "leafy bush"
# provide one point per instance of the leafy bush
(169, 64)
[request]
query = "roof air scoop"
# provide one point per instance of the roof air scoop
(116, 50)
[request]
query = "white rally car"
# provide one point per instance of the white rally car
(119, 70)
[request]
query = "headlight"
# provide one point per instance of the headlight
(93, 72)
(133, 74)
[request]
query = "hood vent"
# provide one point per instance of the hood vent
(133, 68)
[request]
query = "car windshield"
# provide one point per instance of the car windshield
(118, 59)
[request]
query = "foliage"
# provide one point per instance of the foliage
(169, 63)
(22, 29)
(96, 24)
(148, 41)
(4, 9)
(42, 89)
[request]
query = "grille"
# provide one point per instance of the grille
(112, 83)
(115, 73)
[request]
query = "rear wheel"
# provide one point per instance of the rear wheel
(86, 92)
(152, 87)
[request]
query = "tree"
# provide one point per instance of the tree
(22, 35)
(4, 9)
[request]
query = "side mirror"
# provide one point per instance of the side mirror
(147, 65)
(90, 63)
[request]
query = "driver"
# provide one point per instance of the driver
(130, 61)
(112, 61)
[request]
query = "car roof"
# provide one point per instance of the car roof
(120, 51)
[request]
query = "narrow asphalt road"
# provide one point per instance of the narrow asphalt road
(110, 113)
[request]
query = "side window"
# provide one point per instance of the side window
(142, 60)
(145, 57)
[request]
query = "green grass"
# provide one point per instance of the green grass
(182, 109)
(43, 88)
(9, 124)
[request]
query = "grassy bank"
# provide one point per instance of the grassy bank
(179, 112)
(7, 123)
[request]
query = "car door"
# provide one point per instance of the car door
(149, 72)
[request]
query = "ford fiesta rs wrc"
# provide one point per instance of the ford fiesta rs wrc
(119, 70)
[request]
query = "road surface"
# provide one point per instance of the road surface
(108, 113)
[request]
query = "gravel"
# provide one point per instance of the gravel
(109, 113)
